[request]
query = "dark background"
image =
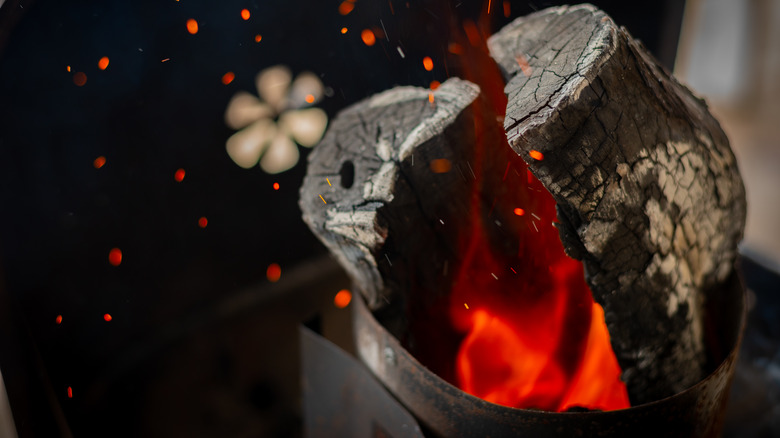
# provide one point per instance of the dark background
(197, 342)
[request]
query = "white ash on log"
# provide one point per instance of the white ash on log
(648, 192)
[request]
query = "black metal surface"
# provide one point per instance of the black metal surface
(445, 410)
(342, 399)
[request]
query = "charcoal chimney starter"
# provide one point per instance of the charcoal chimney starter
(563, 221)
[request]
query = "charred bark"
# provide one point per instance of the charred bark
(648, 191)
(385, 215)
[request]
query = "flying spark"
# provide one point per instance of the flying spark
(203, 222)
(245, 14)
(368, 37)
(115, 256)
(228, 77)
(179, 175)
(58, 319)
(441, 165)
(326, 179)
(192, 26)
(99, 162)
(103, 63)
(323, 199)
(346, 7)
(536, 155)
(273, 273)
(342, 298)
(80, 79)
(428, 63)
(107, 317)
(276, 186)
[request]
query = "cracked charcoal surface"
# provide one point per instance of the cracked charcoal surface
(390, 139)
(648, 191)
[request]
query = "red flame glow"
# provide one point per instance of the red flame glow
(532, 335)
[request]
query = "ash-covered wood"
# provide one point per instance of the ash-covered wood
(372, 198)
(648, 191)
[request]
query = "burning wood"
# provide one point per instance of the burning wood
(431, 216)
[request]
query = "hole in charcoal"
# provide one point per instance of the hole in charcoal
(347, 173)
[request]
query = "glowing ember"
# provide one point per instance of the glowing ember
(519, 211)
(58, 319)
(428, 63)
(228, 77)
(107, 317)
(342, 298)
(67, 68)
(276, 186)
(99, 162)
(273, 273)
(179, 175)
(368, 37)
(115, 256)
(70, 392)
(536, 155)
(203, 222)
(434, 85)
(192, 26)
(103, 63)
(309, 98)
(245, 14)
(343, 30)
(80, 79)
(258, 38)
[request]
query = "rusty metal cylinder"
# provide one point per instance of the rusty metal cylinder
(446, 411)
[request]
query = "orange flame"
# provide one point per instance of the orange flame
(532, 336)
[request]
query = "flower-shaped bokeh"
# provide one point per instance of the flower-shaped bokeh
(270, 126)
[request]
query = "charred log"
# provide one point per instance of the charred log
(648, 191)
(383, 212)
